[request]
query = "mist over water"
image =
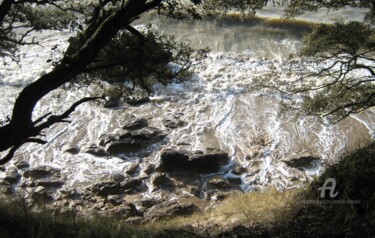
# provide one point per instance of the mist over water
(219, 109)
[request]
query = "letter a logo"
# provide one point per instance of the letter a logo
(331, 188)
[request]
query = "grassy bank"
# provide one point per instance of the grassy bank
(298, 213)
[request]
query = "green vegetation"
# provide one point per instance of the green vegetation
(298, 213)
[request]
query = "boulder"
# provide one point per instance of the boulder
(96, 151)
(131, 183)
(170, 209)
(111, 103)
(161, 181)
(134, 141)
(11, 177)
(304, 160)
(50, 183)
(238, 169)
(131, 168)
(137, 101)
(209, 162)
(173, 124)
(106, 188)
(114, 199)
(219, 182)
(137, 124)
(73, 149)
(22, 165)
(40, 172)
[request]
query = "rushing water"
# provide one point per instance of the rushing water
(219, 109)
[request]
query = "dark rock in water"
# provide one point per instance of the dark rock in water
(173, 124)
(50, 183)
(170, 209)
(238, 169)
(131, 183)
(111, 103)
(219, 182)
(302, 161)
(96, 151)
(12, 177)
(132, 168)
(138, 124)
(2, 168)
(235, 180)
(161, 181)
(149, 169)
(106, 188)
(73, 149)
(198, 161)
(40, 172)
(137, 101)
(135, 141)
(22, 165)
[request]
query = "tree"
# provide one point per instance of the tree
(336, 75)
(143, 55)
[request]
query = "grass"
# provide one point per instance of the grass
(257, 214)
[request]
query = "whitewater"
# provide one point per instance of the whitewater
(217, 106)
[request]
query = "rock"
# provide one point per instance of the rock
(219, 182)
(235, 180)
(106, 188)
(209, 162)
(131, 183)
(73, 149)
(40, 172)
(124, 211)
(50, 183)
(111, 103)
(115, 199)
(96, 151)
(22, 165)
(137, 124)
(11, 177)
(238, 169)
(173, 124)
(301, 161)
(40, 195)
(2, 168)
(143, 205)
(135, 141)
(117, 177)
(149, 169)
(170, 209)
(161, 181)
(131, 168)
(136, 101)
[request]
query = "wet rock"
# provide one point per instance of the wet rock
(136, 101)
(143, 205)
(11, 177)
(219, 182)
(131, 183)
(170, 209)
(301, 161)
(2, 168)
(235, 180)
(150, 168)
(111, 103)
(106, 188)
(135, 141)
(173, 124)
(50, 183)
(115, 199)
(197, 161)
(137, 124)
(40, 172)
(238, 169)
(73, 149)
(131, 168)
(161, 181)
(117, 177)
(96, 151)
(22, 165)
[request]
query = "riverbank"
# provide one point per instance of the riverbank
(294, 213)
